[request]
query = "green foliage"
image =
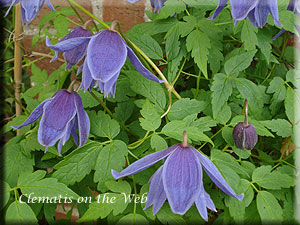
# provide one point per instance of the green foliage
(213, 65)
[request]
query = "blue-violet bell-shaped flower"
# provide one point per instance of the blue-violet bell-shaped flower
(62, 115)
(155, 4)
(30, 8)
(106, 53)
(256, 10)
(294, 6)
(244, 134)
(179, 179)
(75, 55)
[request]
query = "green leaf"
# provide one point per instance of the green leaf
(75, 166)
(271, 180)
(264, 44)
(289, 103)
(239, 62)
(5, 193)
(175, 130)
(184, 107)
(124, 110)
(226, 159)
(46, 189)
(15, 162)
(110, 157)
(148, 45)
(20, 213)
(102, 125)
(61, 25)
(246, 188)
(236, 209)
(133, 219)
(250, 90)
(158, 143)
(166, 216)
(88, 100)
(198, 43)
(268, 207)
(172, 42)
(105, 204)
(204, 123)
(28, 177)
(149, 89)
(221, 90)
(248, 36)
(170, 8)
(151, 119)
(118, 186)
(277, 86)
(282, 127)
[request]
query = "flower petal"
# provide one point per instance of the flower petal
(156, 195)
(56, 116)
(31, 9)
(221, 6)
(182, 177)
(64, 139)
(109, 87)
(241, 8)
(144, 162)
(50, 6)
(216, 176)
(67, 45)
(87, 80)
(140, 67)
(10, 3)
(106, 54)
(204, 201)
(83, 120)
(73, 131)
(36, 113)
(279, 33)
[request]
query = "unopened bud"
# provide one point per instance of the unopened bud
(244, 137)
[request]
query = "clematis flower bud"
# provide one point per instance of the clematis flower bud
(30, 8)
(62, 115)
(244, 133)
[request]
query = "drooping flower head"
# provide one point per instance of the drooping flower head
(30, 8)
(155, 4)
(106, 53)
(244, 134)
(62, 115)
(179, 179)
(256, 10)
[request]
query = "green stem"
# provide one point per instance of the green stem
(197, 85)
(139, 142)
(17, 101)
(179, 72)
(76, 12)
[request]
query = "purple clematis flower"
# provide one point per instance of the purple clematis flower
(179, 179)
(155, 4)
(256, 10)
(62, 115)
(293, 6)
(106, 53)
(30, 8)
(75, 55)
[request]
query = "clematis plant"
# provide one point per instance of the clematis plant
(62, 115)
(155, 4)
(30, 8)
(106, 53)
(256, 10)
(179, 179)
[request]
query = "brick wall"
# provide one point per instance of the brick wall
(107, 10)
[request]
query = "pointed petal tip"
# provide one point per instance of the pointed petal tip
(115, 174)
(240, 197)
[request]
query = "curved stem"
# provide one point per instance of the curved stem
(246, 113)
